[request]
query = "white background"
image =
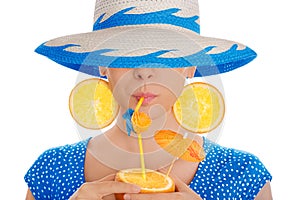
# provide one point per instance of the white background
(262, 113)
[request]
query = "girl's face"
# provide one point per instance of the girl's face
(160, 87)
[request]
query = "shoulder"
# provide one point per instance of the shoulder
(55, 167)
(230, 171)
(233, 158)
(55, 156)
(224, 156)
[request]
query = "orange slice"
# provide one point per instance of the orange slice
(155, 182)
(140, 122)
(200, 107)
(92, 105)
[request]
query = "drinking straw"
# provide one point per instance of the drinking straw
(176, 158)
(171, 166)
(142, 156)
(139, 104)
(140, 141)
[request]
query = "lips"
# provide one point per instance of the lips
(148, 97)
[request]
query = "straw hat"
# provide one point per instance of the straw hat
(146, 33)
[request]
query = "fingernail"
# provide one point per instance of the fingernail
(126, 197)
(136, 189)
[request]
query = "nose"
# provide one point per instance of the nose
(144, 73)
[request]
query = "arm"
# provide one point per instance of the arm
(29, 195)
(265, 193)
(98, 189)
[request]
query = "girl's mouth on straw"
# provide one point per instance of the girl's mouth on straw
(148, 97)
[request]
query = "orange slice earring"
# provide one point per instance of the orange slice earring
(200, 108)
(92, 104)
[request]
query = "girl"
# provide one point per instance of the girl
(145, 50)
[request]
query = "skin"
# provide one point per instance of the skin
(99, 175)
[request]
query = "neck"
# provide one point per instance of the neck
(123, 146)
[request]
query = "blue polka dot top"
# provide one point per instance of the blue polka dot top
(225, 173)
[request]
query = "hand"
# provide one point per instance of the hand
(103, 189)
(183, 192)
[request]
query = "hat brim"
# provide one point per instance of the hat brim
(146, 46)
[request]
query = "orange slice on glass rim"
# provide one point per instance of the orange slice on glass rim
(200, 107)
(92, 105)
(154, 182)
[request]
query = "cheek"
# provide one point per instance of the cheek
(163, 105)
(170, 96)
(173, 80)
(121, 89)
(117, 78)
(120, 95)
(173, 87)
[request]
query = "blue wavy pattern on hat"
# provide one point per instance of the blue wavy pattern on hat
(207, 64)
(160, 17)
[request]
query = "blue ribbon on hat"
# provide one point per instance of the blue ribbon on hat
(159, 17)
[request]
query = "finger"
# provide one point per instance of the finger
(116, 187)
(110, 177)
(110, 187)
(179, 184)
(184, 190)
(96, 189)
(156, 196)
